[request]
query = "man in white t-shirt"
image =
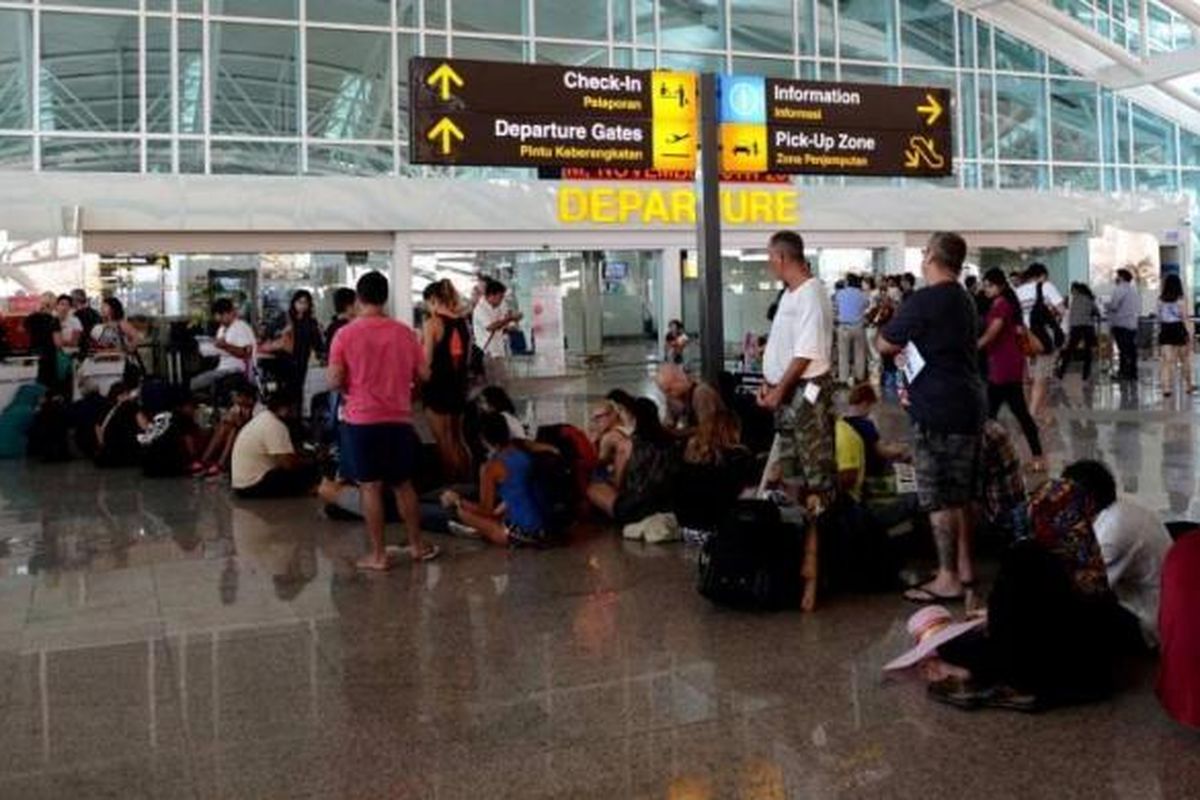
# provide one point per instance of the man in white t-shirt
(799, 389)
(491, 319)
(1134, 542)
(235, 339)
(264, 462)
(1037, 278)
(72, 328)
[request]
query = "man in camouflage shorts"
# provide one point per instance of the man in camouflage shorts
(799, 390)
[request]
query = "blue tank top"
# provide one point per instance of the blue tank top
(519, 492)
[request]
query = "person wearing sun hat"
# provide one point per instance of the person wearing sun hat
(931, 627)
(1046, 640)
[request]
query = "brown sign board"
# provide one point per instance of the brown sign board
(867, 106)
(527, 115)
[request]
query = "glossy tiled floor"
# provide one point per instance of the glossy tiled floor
(158, 640)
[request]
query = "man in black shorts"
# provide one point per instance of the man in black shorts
(935, 332)
(375, 362)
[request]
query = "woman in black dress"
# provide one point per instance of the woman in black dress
(447, 336)
(299, 340)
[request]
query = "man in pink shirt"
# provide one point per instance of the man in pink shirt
(375, 362)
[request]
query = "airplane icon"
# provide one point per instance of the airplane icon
(676, 138)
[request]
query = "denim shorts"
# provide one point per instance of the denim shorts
(384, 452)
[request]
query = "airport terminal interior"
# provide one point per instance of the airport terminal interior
(714, 491)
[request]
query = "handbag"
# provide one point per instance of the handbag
(1030, 345)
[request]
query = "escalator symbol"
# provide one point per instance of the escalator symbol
(922, 152)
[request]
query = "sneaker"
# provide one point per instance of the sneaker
(459, 529)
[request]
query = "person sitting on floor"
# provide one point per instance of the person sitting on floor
(1178, 686)
(685, 396)
(220, 446)
(715, 470)
(1134, 542)
(1047, 636)
(642, 480)
(264, 462)
(1003, 499)
(610, 428)
(880, 453)
(511, 508)
(493, 399)
(857, 552)
(117, 431)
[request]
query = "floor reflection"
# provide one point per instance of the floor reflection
(157, 638)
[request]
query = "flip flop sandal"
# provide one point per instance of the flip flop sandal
(428, 554)
(924, 597)
(958, 693)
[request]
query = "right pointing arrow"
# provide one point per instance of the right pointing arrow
(447, 131)
(931, 110)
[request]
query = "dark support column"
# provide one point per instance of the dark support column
(708, 233)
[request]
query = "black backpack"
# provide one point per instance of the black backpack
(1044, 324)
(753, 561)
(555, 490)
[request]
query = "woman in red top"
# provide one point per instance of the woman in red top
(1005, 361)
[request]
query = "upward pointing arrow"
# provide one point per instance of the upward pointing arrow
(447, 131)
(446, 76)
(932, 110)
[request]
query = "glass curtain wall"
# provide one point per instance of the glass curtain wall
(321, 87)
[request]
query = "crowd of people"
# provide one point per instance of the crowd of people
(1081, 578)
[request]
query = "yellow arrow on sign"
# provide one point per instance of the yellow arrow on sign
(447, 131)
(932, 110)
(445, 75)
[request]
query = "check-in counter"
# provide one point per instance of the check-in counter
(14, 374)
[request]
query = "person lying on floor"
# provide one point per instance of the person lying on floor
(1134, 542)
(511, 508)
(644, 469)
(220, 446)
(264, 462)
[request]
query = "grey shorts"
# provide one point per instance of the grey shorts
(1041, 368)
(947, 467)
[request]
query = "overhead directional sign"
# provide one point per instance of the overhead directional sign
(521, 115)
(786, 126)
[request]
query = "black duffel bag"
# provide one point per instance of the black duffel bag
(753, 561)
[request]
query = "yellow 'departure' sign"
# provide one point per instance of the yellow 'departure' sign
(609, 205)
(534, 115)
